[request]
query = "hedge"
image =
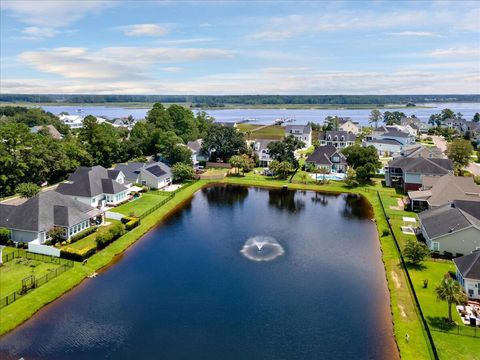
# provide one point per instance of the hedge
(83, 233)
(110, 236)
(130, 222)
(77, 255)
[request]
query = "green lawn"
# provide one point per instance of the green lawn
(12, 273)
(88, 242)
(139, 206)
(274, 132)
(405, 316)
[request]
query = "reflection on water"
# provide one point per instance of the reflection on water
(185, 291)
(225, 195)
(286, 200)
(356, 207)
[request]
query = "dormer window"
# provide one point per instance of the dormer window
(343, 138)
(329, 137)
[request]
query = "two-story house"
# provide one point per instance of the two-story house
(328, 157)
(301, 132)
(346, 124)
(389, 140)
(155, 175)
(339, 139)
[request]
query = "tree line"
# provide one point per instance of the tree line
(219, 100)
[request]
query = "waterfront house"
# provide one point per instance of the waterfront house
(95, 186)
(155, 175)
(389, 140)
(437, 191)
(260, 146)
(418, 150)
(468, 273)
(407, 172)
(339, 139)
(198, 154)
(73, 121)
(301, 132)
(453, 228)
(32, 219)
(328, 157)
(346, 124)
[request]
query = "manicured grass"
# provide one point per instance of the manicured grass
(13, 272)
(405, 317)
(274, 132)
(88, 241)
(139, 206)
(22, 309)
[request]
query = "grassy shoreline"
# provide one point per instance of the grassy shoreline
(404, 314)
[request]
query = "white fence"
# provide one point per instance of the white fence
(114, 215)
(43, 249)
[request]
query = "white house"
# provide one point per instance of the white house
(73, 121)
(339, 139)
(155, 175)
(389, 140)
(260, 146)
(95, 186)
(468, 273)
(197, 153)
(301, 132)
(31, 220)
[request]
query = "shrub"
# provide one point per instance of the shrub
(113, 233)
(415, 251)
(448, 255)
(4, 236)
(77, 255)
(83, 233)
(385, 232)
(132, 224)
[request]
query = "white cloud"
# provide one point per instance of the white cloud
(52, 13)
(172, 69)
(457, 51)
(36, 32)
(145, 30)
(175, 42)
(414, 33)
(113, 63)
(266, 81)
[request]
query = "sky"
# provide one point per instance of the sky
(234, 47)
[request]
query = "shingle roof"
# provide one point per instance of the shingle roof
(384, 141)
(333, 133)
(195, 146)
(43, 211)
(421, 165)
(446, 219)
(305, 129)
(322, 155)
(130, 170)
(448, 188)
(52, 130)
(88, 182)
(469, 265)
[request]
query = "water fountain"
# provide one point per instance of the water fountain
(262, 248)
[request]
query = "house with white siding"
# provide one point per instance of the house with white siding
(32, 219)
(155, 175)
(96, 186)
(301, 132)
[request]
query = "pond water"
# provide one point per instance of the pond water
(188, 290)
(266, 116)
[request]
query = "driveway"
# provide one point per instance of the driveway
(474, 168)
(439, 142)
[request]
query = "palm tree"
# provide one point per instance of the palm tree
(452, 292)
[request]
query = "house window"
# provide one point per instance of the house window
(435, 246)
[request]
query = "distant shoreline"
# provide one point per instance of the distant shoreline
(146, 105)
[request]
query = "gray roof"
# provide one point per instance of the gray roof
(304, 129)
(449, 188)
(347, 135)
(323, 154)
(91, 181)
(446, 219)
(469, 265)
(418, 150)
(133, 170)
(130, 170)
(421, 165)
(226, 123)
(195, 146)
(384, 141)
(52, 130)
(43, 211)
(392, 131)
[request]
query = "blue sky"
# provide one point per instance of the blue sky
(233, 47)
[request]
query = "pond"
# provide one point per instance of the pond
(236, 273)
